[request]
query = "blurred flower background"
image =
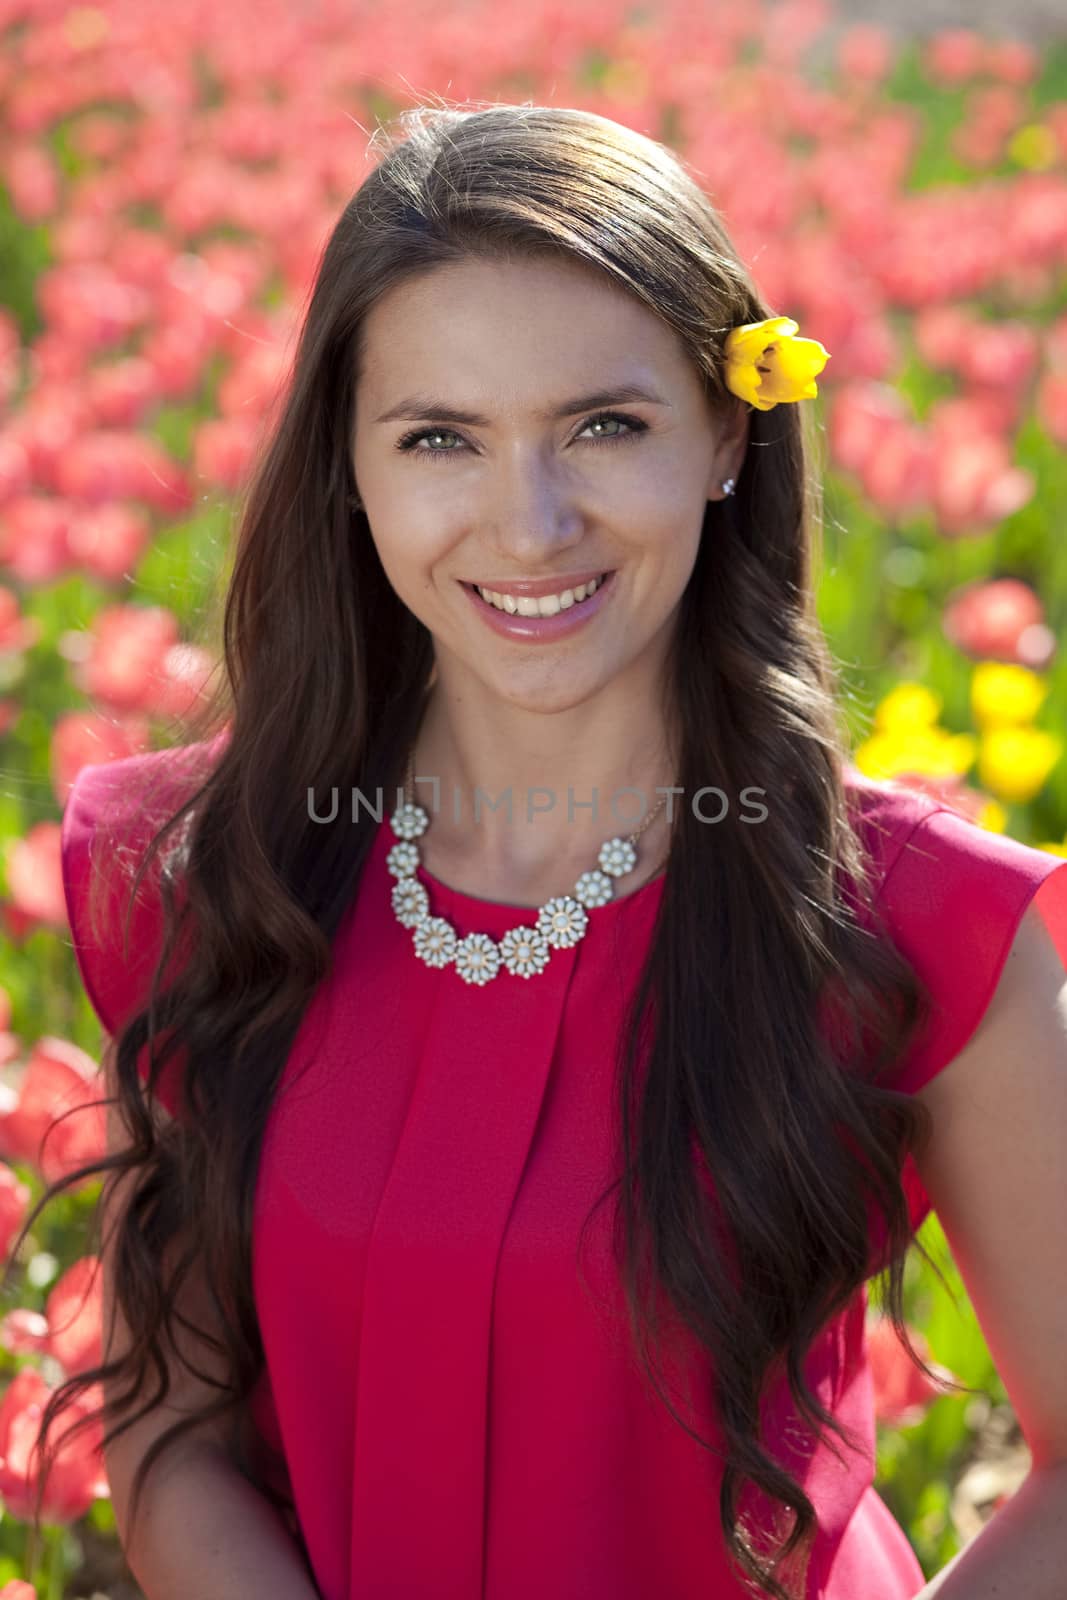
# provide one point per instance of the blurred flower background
(167, 180)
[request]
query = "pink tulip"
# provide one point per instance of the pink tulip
(1004, 353)
(121, 392)
(82, 236)
(102, 137)
(145, 253)
(78, 1476)
(176, 359)
(10, 378)
(898, 475)
(90, 305)
(1038, 216)
(868, 349)
(15, 1197)
(48, 424)
(942, 334)
(183, 682)
(17, 633)
(223, 448)
(108, 540)
(269, 331)
(978, 144)
(33, 538)
(56, 360)
(14, 466)
(24, 1332)
(125, 664)
(1003, 406)
(997, 110)
(902, 1392)
(36, 99)
(1000, 620)
(976, 485)
(954, 55)
(74, 1311)
(10, 338)
(256, 381)
(121, 465)
(18, 1589)
(34, 879)
(81, 738)
(246, 264)
(865, 53)
(1012, 60)
(978, 411)
(797, 23)
(1052, 405)
(32, 181)
(1056, 338)
(58, 1077)
(1055, 120)
(859, 418)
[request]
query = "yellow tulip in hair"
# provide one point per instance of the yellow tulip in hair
(767, 363)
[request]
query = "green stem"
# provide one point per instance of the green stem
(29, 1556)
(49, 1565)
(57, 1565)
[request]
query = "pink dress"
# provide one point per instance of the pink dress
(459, 1414)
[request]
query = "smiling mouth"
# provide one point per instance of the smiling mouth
(530, 605)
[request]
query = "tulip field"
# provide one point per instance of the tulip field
(168, 177)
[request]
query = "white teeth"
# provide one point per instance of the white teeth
(547, 605)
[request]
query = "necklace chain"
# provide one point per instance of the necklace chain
(524, 950)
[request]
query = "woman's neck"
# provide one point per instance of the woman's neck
(511, 805)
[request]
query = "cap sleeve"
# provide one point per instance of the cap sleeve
(104, 833)
(953, 898)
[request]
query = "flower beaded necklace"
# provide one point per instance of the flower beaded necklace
(523, 951)
(765, 365)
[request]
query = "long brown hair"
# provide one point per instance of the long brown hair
(326, 676)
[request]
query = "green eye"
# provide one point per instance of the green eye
(633, 426)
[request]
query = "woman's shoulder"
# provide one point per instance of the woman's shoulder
(884, 812)
(112, 812)
(124, 797)
(930, 852)
(952, 894)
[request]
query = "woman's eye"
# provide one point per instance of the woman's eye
(632, 426)
(410, 440)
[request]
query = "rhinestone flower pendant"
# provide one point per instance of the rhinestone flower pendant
(524, 951)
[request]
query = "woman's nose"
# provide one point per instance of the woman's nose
(534, 512)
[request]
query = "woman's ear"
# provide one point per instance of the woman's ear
(731, 447)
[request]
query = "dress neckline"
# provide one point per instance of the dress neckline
(475, 903)
(496, 916)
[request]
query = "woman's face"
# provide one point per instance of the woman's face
(538, 479)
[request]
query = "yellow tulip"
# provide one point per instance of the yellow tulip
(1013, 763)
(932, 752)
(1005, 695)
(1033, 146)
(908, 705)
(993, 816)
(766, 363)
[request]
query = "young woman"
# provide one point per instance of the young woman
(525, 1171)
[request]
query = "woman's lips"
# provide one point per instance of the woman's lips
(536, 630)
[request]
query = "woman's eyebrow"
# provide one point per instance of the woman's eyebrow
(424, 408)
